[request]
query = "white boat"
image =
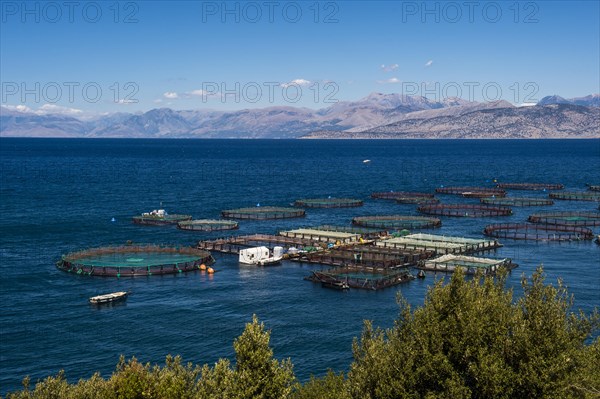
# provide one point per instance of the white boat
(112, 297)
(261, 256)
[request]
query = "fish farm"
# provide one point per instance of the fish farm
(473, 191)
(439, 244)
(392, 195)
(328, 203)
(469, 264)
(328, 236)
(576, 196)
(566, 218)
(397, 222)
(263, 213)
(364, 232)
(465, 210)
(207, 225)
(538, 232)
(530, 186)
(134, 260)
(515, 201)
(417, 200)
(160, 220)
(367, 257)
(232, 245)
(359, 278)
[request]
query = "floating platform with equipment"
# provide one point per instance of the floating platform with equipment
(134, 260)
(566, 218)
(469, 264)
(538, 232)
(367, 257)
(328, 203)
(530, 186)
(233, 245)
(465, 210)
(328, 236)
(263, 213)
(440, 244)
(397, 222)
(207, 225)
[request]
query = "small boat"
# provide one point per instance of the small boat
(366, 161)
(109, 298)
(421, 274)
(337, 285)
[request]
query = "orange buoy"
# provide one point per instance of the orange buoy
(203, 267)
(210, 270)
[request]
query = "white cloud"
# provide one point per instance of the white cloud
(158, 101)
(429, 63)
(297, 82)
(389, 68)
(124, 101)
(58, 109)
(170, 95)
(18, 108)
(390, 80)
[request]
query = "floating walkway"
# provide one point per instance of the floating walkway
(472, 191)
(576, 196)
(328, 203)
(566, 218)
(515, 201)
(465, 210)
(538, 232)
(397, 222)
(360, 278)
(134, 260)
(263, 213)
(530, 186)
(328, 236)
(207, 225)
(439, 244)
(469, 264)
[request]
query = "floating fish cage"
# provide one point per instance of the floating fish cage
(338, 237)
(477, 192)
(397, 222)
(593, 187)
(392, 195)
(367, 257)
(465, 210)
(263, 213)
(439, 244)
(328, 203)
(364, 232)
(207, 225)
(469, 264)
(134, 260)
(514, 201)
(232, 245)
(576, 196)
(538, 232)
(530, 186)
(157, 220)
(357, 277)
(417, 200)
(566, 218)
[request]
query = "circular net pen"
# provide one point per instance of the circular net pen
(576, 196)
(397, 222)
(530, 186)
(134, 260)
(328, 203)
(566, 218)
(263, 213)
(392, 195)
(155, 220)
(538, 232)
(467, 191)
(417, 200)
(514, 201)
(207, 225)
(465, 210)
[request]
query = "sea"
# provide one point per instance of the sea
(63, 195)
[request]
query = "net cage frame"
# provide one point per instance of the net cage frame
(417, 200)
(73, 262)
(530, 186)
(371, 257)
(559, 218)
(392, 195)
(465, 210)
(531, 231)
(576, 195)
(449, 263)
(462, 190)
(373, 280)
(516, 201)
(160, 220)
(207, 225)
(263, 213)
(397, 222)
(328, 203)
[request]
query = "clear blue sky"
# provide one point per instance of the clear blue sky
(164, 54)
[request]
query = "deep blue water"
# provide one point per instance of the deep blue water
(60, 195)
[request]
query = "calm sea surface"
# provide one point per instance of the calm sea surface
(60, 195)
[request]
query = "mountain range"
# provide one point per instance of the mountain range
(375, 116)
